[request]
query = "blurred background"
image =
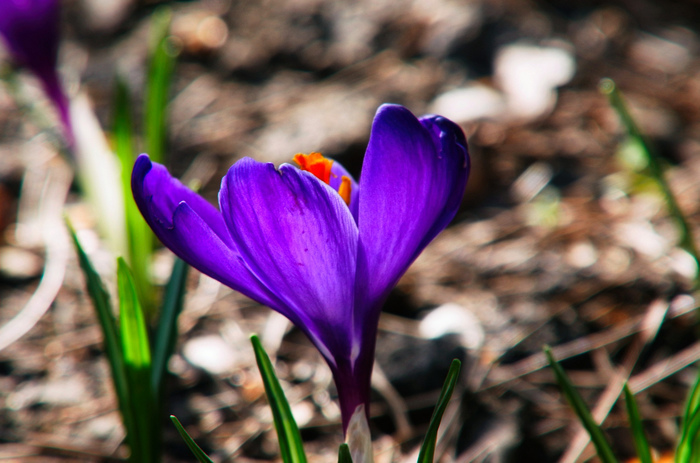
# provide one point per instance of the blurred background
(561, 240)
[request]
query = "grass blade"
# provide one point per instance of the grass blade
(689, 427)
(687, 451)
(654, 168)
(139, 235)
(603, 449)
(166, 334)
(344, 455)
(291, 447)
(137, 364)
(159, 77)
(693, 400)
(640, 439)
(427, 450)
(110, 333)
(196, 449)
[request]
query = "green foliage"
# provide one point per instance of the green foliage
(344, 455)
(137, 372)
(160, 72)
(602, 447)
(688, 450)
(108, 324)
(640, 154)
(166, 333)
(136, 353)
(139, 235)
(640, 439)
(427, 450)
(196, 449)
(291, 447)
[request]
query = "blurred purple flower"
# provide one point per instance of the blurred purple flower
(31, 31)
(314, 245)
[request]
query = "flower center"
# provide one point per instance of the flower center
(320, 167)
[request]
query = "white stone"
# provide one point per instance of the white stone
(452, 318)
(529, 76)
(210, 353)
(469, 103)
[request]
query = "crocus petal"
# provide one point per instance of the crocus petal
(298, 238)
(413, 178)
(337, 174)
(192, 228)
(53, 89)
(292, 242)
(31, 31)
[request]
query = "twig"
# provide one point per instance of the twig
(397, 406)
(504, 374)
(57, 181)
(651, 323)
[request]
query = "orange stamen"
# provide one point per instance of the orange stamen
(320, 167)
(315, 163)
(345, 189)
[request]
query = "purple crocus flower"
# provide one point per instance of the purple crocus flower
(312, 243)
(31, 31)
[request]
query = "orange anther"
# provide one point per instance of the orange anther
(315, 163)
(320, 168)
(345, 189)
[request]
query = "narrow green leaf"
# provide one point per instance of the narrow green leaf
(693, 400)
(163, 56)
(688, 448)
(291, 447)
(344, 455)
(110, 333)
(194, 448)
(695, 450)
(137, 363)
(603, 449)
(689, 428)
(135, 346)
(166, 334)
(640, 439)
(427, 450)
(654, 167)
(100, 299)
(139, 235)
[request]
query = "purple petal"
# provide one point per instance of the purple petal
(299, 239)
(53, 89)
(337, 173)
(353, 378)
(413, 179)
(192, 228)
(30, 29)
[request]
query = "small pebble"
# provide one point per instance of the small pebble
(19, 264)
(210, 353)
(453, 318)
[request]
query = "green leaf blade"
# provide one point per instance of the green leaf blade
(291, 447)
(191, 444)
(139, 235)
(640, 440)
(111, 337)
(167, 331)
(654, 168)
(603, 449)
(144, 438)
(427, 451)
(160, 73)
(135, 348)
(344, 455)
(687, 448)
